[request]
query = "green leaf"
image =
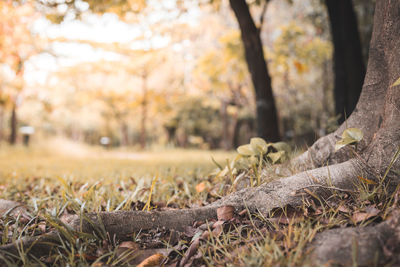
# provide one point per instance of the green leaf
(276, 156)
(396, 83)
(349, 136)
(281, 146)
(258, 145)
(353, 133)
(246, 150)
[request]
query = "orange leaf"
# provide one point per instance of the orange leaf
(152, 261)
(201, 187)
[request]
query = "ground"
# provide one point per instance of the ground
(55, 183)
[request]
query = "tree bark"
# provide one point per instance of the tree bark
(267, 120)
(361, 246)
(349, 66)
(368, 114)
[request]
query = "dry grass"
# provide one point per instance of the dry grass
(54, 183)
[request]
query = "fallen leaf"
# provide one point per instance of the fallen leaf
(205, 235)
(225, 213)
(343, 208)
(152, 261)
(217, 224)
(372, 210)
(362, 216)
(201, 187)
(190, 252)
(130, 245)
(135, 257)
(217, 230)
(190, 231)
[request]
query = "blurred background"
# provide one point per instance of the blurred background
(164, 73)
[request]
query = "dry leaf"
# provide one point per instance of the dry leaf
(129, 244)
(362, 216)
(343, 208)
(205, 235)
(218, 230)
(201, 187)
(190, 252)
(225, 213)
(217, 224)
(152, 261)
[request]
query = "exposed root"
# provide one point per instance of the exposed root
(289, 191)
(38, 246)
(359, 246)
(123, 224)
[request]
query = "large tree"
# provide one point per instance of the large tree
(349, 69)
(377, 114)
(267, 119)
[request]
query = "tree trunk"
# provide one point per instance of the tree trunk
(13, 125)
(225, 141)
(349, 66)
(124, 134)
(267, 119)
(143, 132)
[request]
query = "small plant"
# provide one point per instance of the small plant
(261, 150)
(259, 153)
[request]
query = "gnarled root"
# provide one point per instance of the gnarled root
(361, 246)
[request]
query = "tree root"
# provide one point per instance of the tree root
(289, 191)
(359, 246)
(122, 224)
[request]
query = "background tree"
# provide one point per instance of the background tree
(267, 118)
(222, 73)
(349, 66)
(16, 47)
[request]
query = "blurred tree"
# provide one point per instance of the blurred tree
(222, 74)
(267, 119)
(16, 47)
(349, 66)
(364, 10)
(294, 55)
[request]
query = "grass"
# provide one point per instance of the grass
(58, 179)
